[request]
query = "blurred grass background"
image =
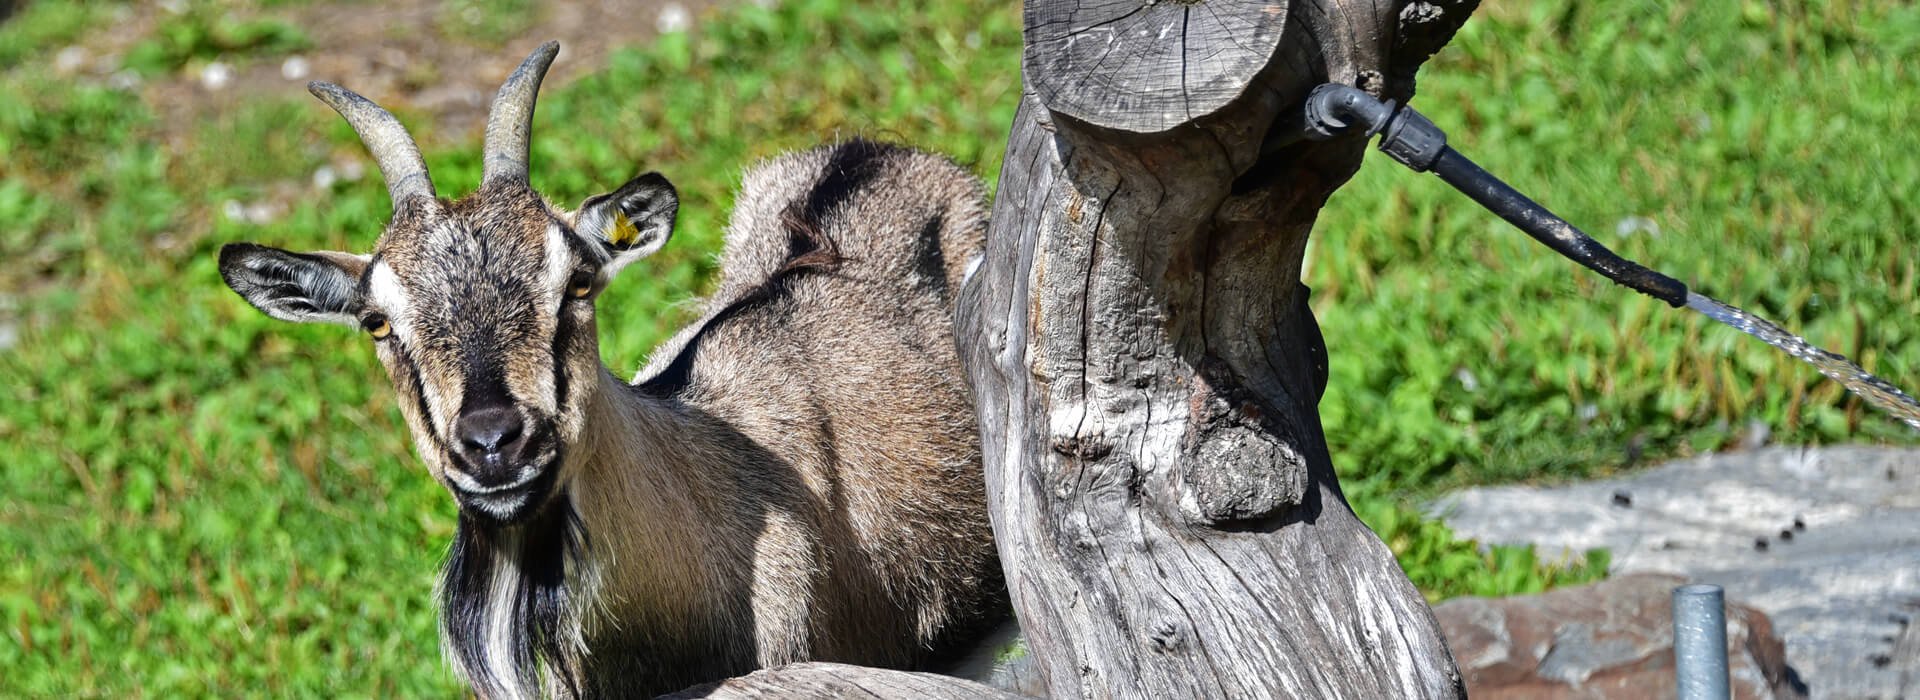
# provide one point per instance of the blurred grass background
(201, 501)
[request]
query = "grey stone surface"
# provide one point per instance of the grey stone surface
(1612, 639)
(1824, 541)
(9, 323)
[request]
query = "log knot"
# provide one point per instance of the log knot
(1239, 462)
(1086, 448)
(1166, 637)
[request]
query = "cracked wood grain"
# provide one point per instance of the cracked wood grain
(1146, 367)
(828, 681)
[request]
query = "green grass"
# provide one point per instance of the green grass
(186, 516)
(204, 31)
(1773, 149)
(41, 25)
(488, 22)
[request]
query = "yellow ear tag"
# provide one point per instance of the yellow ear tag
(623, 231)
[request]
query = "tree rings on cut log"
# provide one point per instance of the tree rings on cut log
(1147, 66)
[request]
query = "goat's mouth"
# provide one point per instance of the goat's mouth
(509, 503)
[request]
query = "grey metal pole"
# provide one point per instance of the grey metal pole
(1700, 642)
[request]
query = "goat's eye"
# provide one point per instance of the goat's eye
(580, 284)
(376, 325)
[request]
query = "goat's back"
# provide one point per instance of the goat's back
(828, 344)
(872, 211)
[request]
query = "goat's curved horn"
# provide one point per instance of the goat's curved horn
(386, 139)
(510, 119)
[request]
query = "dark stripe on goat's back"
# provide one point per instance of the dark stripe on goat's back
(678, 374)
(851, 167)
(931, 268)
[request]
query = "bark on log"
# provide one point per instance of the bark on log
(1147, 369)
(826, 681)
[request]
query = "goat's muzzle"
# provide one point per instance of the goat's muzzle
(504, 468)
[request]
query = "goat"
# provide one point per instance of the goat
(795, 476)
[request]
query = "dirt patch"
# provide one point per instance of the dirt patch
(399, 53)
(411, 56)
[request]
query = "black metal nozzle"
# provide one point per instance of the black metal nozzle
(1412, 140)
(1405, 135)
(1333, 109)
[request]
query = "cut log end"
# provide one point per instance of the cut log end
(1147, 67)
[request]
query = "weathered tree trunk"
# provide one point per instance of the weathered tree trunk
(1147, 369)
(826, 681)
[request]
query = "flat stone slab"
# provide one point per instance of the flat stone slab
(1612, 639)
(1825, 541)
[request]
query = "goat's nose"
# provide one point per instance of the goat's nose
(490, 433)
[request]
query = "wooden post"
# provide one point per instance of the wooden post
(1147, 369)
(829, 681)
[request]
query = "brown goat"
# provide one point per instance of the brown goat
(795, 476)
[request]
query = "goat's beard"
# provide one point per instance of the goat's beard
(509, 619)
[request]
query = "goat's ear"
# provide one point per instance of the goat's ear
(632, 222)
(299, 287)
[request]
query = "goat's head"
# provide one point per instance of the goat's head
(481, 308)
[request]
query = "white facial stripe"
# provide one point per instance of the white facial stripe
(560, 264)
(443, 410)
(386, 295)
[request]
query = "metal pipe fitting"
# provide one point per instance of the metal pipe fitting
(1700, 642)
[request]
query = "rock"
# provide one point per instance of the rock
(69, 60)
(216, 76)
(296, 68)
(1756, 436)
(673, 17)
(324, 177)
(9, 324)
(124, 80)
(1613, 639)
(1838, 592)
